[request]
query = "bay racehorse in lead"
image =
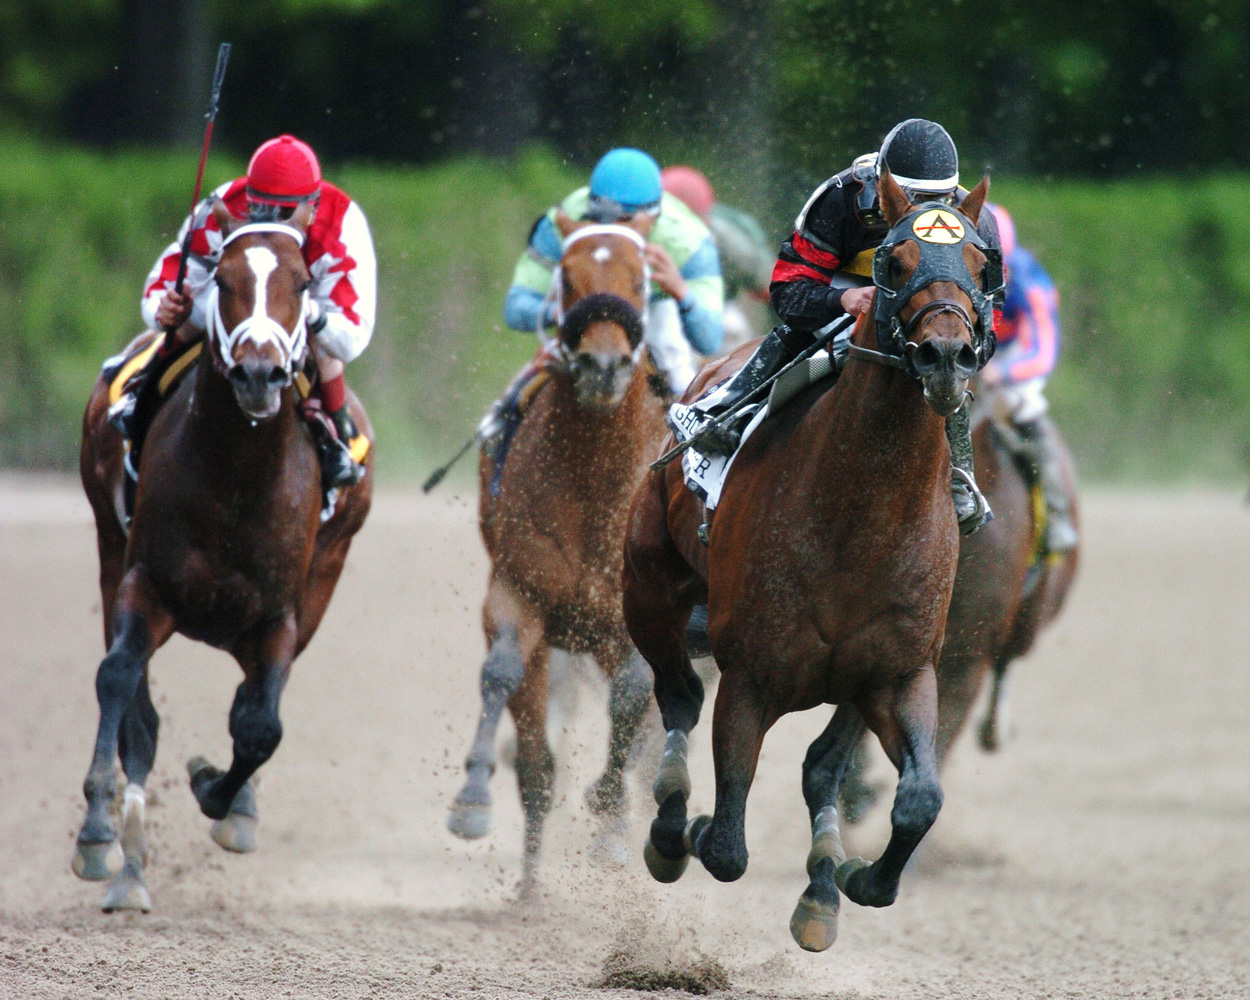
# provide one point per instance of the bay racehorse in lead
(827, 574)
(553, 522)
(226, 546)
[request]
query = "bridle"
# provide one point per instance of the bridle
(259, 327)
(595, 307)
(939, 261)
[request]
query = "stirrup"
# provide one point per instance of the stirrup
(971, 507)
(338, 468)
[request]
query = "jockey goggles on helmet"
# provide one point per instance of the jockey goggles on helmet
(624, 182)
(868, 204)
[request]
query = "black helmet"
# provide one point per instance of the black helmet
(922, 157)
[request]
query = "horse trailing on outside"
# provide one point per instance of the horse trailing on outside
(553, 522)
(828, 571)
(226, 546)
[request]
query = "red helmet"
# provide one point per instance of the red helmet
(690, 186)
(283, 171)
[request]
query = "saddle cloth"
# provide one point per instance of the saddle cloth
(705, 474)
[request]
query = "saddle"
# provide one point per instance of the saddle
(704, 475)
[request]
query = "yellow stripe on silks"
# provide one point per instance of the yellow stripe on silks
(527, 394)
(302, 385)
(1040, 518)
(174, 371)
(137, 363)
(861, 264)
(359, 448)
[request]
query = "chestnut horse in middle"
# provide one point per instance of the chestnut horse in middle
(827, 575)
(555, 526)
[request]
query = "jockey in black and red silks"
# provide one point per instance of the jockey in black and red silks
(338, 249)
(824, 270)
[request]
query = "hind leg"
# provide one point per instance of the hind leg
(512, 637)
(996, 727)
(139, 627)
(629, 698)
(229, 796)
(815, 921)
(738, 727)
(137, 749)
(904, 717)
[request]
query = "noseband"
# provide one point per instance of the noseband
(597, 307)
(259, 327)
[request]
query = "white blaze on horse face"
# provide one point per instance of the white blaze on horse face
(263, 263)
(602, 255)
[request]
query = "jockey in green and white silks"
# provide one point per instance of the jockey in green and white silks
(687, 294)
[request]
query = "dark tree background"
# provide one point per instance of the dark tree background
(787, 88)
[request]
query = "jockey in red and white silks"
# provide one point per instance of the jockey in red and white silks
(338, 250)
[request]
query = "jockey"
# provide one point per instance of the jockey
(687, 295)
(824, 271)
(283, 173)
(1028, 340)
(746, 254)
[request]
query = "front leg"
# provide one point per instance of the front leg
(139, 627)
(256, 730)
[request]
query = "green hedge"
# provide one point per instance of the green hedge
(1154, 277)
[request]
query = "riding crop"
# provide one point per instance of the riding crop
(823, 336)
(219, 76)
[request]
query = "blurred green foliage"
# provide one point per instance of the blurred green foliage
(1154, 278)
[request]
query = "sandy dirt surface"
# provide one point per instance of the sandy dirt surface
(1104, 852)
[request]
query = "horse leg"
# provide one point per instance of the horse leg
(629, 698)
(904, 717)
(502, 673)
(229, 797)
(137, 749)
(140, 626)
(815, 921)
(996, 727)
(535, 766)
(738, 727)
(855, 794)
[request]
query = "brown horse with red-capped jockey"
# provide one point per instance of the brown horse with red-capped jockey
(552, 515)
(827, 574)
(227, 545)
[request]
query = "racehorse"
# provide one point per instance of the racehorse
(827, 574)
(553, 522)
(226, 546)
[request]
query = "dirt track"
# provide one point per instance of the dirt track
(1105, 852)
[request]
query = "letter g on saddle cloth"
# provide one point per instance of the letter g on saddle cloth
(941, 234)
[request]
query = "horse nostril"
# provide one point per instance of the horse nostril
(237, 376)
(967, 358)
(278, 377)
(928, 356)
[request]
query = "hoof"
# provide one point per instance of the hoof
(98, 862)
(470, 821)
(814, 925)
(127, 893)
(664, 869)
(236, 833)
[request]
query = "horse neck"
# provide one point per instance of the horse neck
(230, 440)
(879, 421)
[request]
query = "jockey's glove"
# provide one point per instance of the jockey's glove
(316, 320)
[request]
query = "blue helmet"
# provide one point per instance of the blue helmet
(623, 182)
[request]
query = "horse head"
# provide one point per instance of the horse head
(258, 307)
(935, 279)
(601, 291)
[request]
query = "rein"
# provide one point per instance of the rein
(259, 327)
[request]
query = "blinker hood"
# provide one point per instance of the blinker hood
(941, 233)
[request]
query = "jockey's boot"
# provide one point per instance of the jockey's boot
(775, 350)
(338, 468)
(1038, 445)
(971, 508)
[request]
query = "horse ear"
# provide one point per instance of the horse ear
(565, 223)
(971, 206)
(894, 201)
(641, 223)
(226, 222)
(302, 217)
